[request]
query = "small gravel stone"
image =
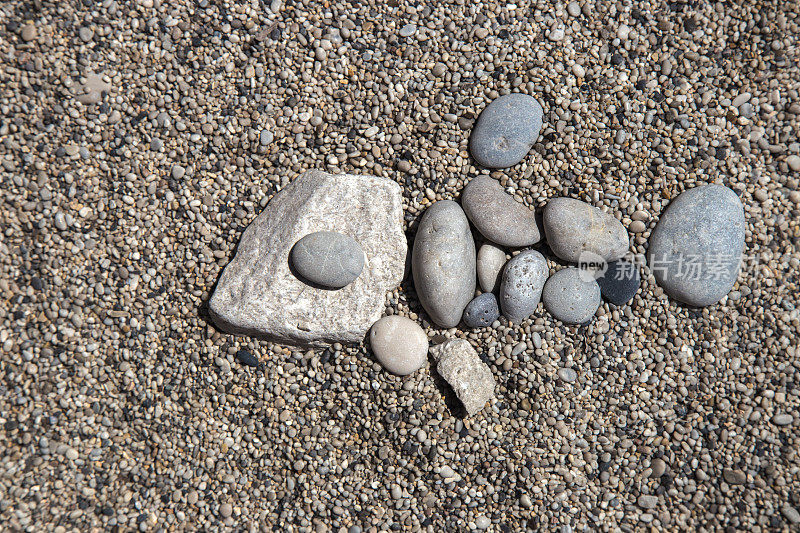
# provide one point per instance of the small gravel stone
(567, 375)
(497, 216)
(86, 34)
(647, 501)
(620, 282)
(794, 162)
(734, 476)
(178, 172)
(482, 311)
(328, 258)
(574, 9)
(408, 30)
(506, 130)
(571, 295)
(523, 278)
(791, 514)
(28, 32)
(637, 226)
(225, 510)
(399, 344)
(482, 522)
(491, 261)
(658, 467)
(247, 358)
(573, 227)
(782, 419)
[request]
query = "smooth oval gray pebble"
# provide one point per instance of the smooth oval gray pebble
(571, 296)
(328, 258)
(400, 345)
(521, 286)
(491, 261)
(481, 311)
(506, 130)
(696, 247)
(497, 216)
(567, 375)
(573, 227)
(443, 263)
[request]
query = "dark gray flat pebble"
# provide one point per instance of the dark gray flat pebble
(620, 282)
(246, 358)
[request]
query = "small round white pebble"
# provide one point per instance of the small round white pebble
(400, 345)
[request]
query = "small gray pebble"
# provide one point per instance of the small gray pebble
(408, 30)
(328, 258)
(178, 172)
(783, 419)
(521, 287)
(567, 375)
(491, 261)
(791, 514)
(647, 501)
(481, 311)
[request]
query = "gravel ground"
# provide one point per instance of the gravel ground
(139, 138)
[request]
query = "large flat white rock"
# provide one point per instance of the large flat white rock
(259, 295)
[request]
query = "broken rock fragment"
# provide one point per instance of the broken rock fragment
(459, 364)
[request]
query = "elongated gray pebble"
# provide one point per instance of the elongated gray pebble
(443, 263)
(521, 288)
(491, 261)
(328, 258)
(497, 216)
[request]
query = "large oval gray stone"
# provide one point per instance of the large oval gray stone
(573, 227)
(696, 248)
(571, 296)
(521, 286)
(497, 216)
(328, 258)
(506, 130)
(443, 263)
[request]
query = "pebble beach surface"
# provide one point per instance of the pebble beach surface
(139, 138)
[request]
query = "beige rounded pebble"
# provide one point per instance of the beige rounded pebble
(794, 162)
(491, 261)
(637, 226)
(399, 344)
